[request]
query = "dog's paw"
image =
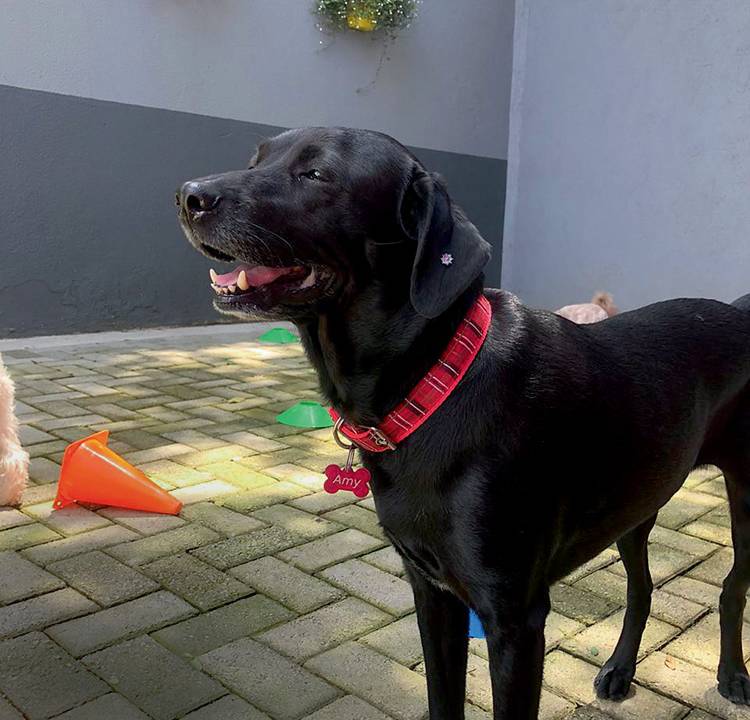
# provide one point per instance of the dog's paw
(613, 681)
(735, 686)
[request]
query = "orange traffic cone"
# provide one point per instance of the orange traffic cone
(92, 473)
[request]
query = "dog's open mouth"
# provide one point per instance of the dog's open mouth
(262, 285)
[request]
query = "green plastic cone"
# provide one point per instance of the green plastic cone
(279, 336)
(306, 414)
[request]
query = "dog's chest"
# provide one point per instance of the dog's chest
(420, 534)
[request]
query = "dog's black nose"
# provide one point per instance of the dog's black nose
(199, 197)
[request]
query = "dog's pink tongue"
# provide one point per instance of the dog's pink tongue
(256, 275)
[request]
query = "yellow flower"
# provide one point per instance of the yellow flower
(361, 22)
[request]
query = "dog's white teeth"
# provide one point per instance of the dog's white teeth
(213, 275)
(242, 282)
(232, 288)
(309, 280)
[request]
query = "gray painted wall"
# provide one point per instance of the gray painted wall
(89, 235)
(629, 164)
(105, 107)
(446, 84)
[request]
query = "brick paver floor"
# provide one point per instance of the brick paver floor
(268, 598)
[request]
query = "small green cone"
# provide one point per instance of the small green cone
(306, 414)
(279, 336)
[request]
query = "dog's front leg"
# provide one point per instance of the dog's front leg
(515, 642)
(444, 628)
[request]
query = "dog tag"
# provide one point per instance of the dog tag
(347, 478)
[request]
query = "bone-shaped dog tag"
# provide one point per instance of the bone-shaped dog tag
(347, 478)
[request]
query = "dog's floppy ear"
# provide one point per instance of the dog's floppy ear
(450, 251)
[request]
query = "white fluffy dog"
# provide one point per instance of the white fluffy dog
(14, 460)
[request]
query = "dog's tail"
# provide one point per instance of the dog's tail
(605, 301)
(743, 303)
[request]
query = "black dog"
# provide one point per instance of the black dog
(492, 500)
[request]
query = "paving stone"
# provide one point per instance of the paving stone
(589, 713)
(68, 547)
(321, 553)
(139, 457)
(144, 523)
(254, 442)
(8, 712)
(102, 578)
(709, 531)
(140, 439)
(348, 708)
(42, 470)
(267, 680)
(321, 502)
(574, 679)
(238, 474)
(557, 628)
(714, 569)
(39, 612)
(298, 522)
(172, 474)
(213, 629)
(243, 548)
(597, 642)
(290, 586)
(28, 435)
(139, 552)
(361, 671)
(49, 449)
(195, 581)
(580, 605)
(664, 562)
(699, 644)
(10, 517)
(323, 629)
(357, 517)
(157, 681)
(604, 559)
(696, 590)
(195, 439)
(271, 494)
(221, 519)
(684, 507)
(387, 560)
(230, 707)
(203, 491)
(680, 541)
(223, 453)
(91, 633)
(24, 536)
(668, 607)
(400, 640)
(552, 707)
(37, 493)
(312, 480)
(22, 579)
(391, 593)
(41, 679)
(107, 707)
(699, 715)
(692, 685)
(71, 520)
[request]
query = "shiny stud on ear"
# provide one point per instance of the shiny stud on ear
(446, 259)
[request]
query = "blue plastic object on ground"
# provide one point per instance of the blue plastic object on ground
(475, 626)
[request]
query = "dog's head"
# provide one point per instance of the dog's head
(323, 215)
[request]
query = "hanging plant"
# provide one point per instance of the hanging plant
(366, 15)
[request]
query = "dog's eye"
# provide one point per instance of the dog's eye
(311, 175)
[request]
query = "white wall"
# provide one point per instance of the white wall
(445, 85)
(629, 162)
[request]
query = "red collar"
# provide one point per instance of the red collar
(430, 392)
